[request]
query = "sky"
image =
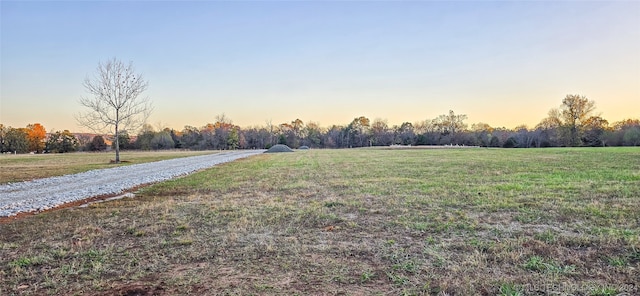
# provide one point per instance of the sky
(504, 63)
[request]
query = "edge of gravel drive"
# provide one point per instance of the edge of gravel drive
(73, 204)
(86, 201)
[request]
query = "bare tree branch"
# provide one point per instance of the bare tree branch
(114, 103)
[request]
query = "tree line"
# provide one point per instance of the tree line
(573, 124)
(35, 139)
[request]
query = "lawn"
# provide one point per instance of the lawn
(23, 167)
(351, 222)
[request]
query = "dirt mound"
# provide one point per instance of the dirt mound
(279, 148)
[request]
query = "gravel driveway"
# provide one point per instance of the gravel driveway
(43, 194)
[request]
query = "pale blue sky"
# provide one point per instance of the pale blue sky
(504, 63)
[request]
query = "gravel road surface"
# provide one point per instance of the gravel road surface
(47, 193)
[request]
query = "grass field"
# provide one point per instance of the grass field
(23, 167)
(351, 222)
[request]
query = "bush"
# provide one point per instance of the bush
(97, 144)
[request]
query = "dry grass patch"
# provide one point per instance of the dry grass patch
(25, 167)
(352, 222)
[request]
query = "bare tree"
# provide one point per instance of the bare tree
(115, 104)
(450, 125)
(271, 130)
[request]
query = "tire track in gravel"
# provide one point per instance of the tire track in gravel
(47, 193)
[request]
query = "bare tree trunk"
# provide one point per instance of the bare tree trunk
(117, 145)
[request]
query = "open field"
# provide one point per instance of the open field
(351, 222)
(23, 167)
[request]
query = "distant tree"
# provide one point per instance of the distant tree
(208, 134)
(456, 122)
(404, 134)
(298, 132)
(483, 133)
(494, 142)
(594, 132)
(428, 132)
(145, 138)
(358, 132)
(626, 123)
(549, 129)
(576, 111)
(176, 136)
(242, 140)
(312, 135)
(289, 133)
(97, 144)
(16, 140)
(282, 139)
(3, 135)
(215, 135)
(84, 141)
(272, 133)
(500, 136)
(523, 138)
(632, 136)
(61, 142)
(191, 137)
(233, 140)
(124, 141)
(161, 140)
(566, 126)
(381, 134)
(449, 126)
(616, 136)
(116, 103)
(36, 135)
(297, 126)
(335, 137)
(256, 137)
(511, 142)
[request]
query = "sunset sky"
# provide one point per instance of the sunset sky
(504, 63)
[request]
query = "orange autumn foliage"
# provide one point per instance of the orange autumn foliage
(36, 135)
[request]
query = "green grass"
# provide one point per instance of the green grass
(509, 290)
(23, 167)
(354, 222)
